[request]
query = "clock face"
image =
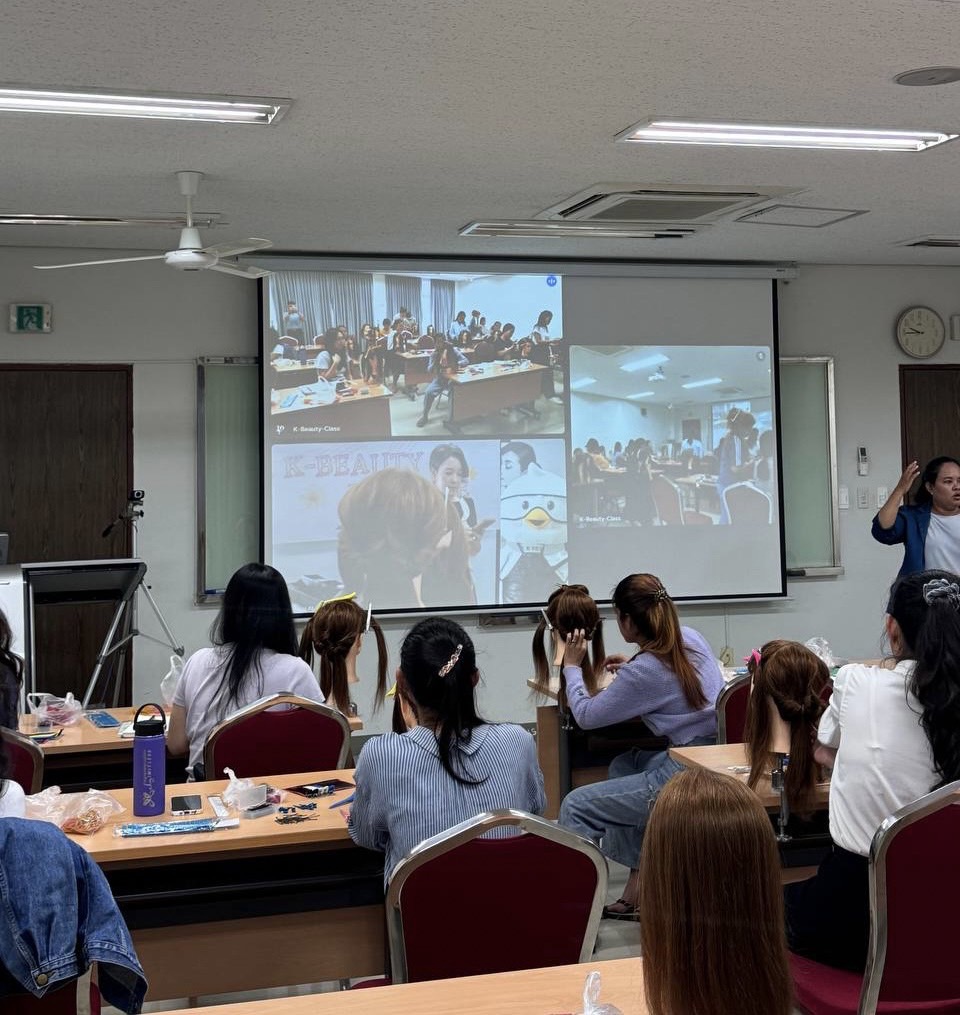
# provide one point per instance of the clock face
(920, 332)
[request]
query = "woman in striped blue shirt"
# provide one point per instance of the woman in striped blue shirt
(450, 765)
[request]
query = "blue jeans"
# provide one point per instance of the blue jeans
(614, 813)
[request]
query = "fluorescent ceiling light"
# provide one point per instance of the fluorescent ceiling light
(702, 384)
(583, 382)
(142, 105)
(665, 130)
(200, 219)
(640, 394)
(648, 361)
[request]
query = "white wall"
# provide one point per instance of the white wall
(160, 320)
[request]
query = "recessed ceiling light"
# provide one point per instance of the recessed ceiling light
(648, 361)
(142, 105)
(582, 382)
(927, 77)
(664, 130)
(702, 384)
(640, 394)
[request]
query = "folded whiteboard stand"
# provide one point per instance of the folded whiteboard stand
(92, 581)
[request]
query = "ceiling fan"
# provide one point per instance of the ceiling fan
(190, 254)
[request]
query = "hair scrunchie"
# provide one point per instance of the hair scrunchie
(940, 588)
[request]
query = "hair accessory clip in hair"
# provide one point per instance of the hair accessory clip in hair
(660, 594)
(546, 619)
(753, 659)
(345, 598)
(451, 662)
(940, 588)
(369, 614)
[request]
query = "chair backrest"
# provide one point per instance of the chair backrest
(747, 505)
(288, 342)
(666, 497)
(426, 342)
(62, 1001)
(732, 711)
(914, 899)
(529, 900)
(25, 760)
(261, 739)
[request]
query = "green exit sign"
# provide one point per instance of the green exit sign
(31, 317)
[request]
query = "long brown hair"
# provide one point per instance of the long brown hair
(332, 631)
(643, 599)
(569, 608)
(711, 904)
(794, 679)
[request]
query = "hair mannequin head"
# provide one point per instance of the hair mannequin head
(569, 608)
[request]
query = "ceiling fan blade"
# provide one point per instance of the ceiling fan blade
(113, 260)
(238, 247)
(232, 269)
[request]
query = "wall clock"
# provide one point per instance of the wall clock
(920, 332)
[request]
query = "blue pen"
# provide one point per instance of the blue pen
(340, 803)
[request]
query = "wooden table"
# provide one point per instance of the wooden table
(86, 756)
(527, 992)
(727, 758)
(416, 367)
(485, 389)
(357, 415)
(262, 905)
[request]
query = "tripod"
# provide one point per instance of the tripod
(123, 627)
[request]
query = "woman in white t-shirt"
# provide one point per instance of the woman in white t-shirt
(892, 735)
(254, 654)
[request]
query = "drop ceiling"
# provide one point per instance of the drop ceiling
(413, 117)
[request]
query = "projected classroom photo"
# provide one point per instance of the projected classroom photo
(361, 355)
(671, 436)
(404, 524)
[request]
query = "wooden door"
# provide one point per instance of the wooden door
(929, 412)
(66, 468)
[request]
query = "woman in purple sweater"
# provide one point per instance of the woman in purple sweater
(672, 683)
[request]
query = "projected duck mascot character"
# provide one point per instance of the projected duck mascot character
(533, 535)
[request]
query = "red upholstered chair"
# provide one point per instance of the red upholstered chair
(748, 505)
(459, 905)
(912, 963)
(262, 739)
(62, 1001)
(732, 711)
(25, 759)
(669, 505)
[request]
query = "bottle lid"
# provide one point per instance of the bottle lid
(151, 725)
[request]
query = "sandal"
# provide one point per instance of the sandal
(620, 910)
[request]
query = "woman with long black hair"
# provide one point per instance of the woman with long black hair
(451, 764)
(254, 654)
(892, 734)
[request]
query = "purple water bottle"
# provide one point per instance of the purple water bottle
(149, 763)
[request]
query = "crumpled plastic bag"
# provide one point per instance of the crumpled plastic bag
(48, 708)
(591, 998)
(168, 686)
(80, 813)
(820, 647)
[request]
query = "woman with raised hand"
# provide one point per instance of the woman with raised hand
(711, 905)
(254, 654)
(671, 682)
(892, 734)
(451, 764)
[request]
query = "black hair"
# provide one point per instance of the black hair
(445, 694)
(929, 475)
(546, 316)
(256, 615)
(526, 456)
(930, 626)
(444, 451)
(11, 672)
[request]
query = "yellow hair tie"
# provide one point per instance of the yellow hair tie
(392, 693)
(345, 598)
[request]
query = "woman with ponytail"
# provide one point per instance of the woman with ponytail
(788, 681)
(570, 608)
(671, 683)
(450, 765)
(892, 734)
(335, 632)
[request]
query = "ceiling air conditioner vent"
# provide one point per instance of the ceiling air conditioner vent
(610, 203)
(534, 229)
(935, 242)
